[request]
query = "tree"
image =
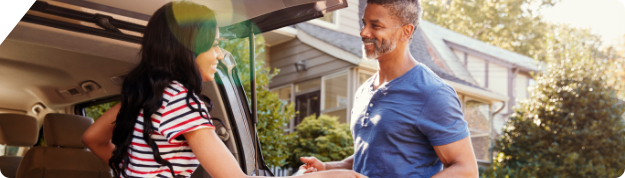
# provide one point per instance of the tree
(324, 138)
(272, 113)
(96, 111)
(571, 126)
(513, 25)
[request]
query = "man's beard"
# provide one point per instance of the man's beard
(379, 49)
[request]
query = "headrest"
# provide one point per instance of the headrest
(65, 130)
(18, 130)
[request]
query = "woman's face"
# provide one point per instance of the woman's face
(207, 61)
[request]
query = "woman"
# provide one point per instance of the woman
(179, 52)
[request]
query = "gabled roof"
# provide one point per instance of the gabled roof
(441, 38)
(353, 45)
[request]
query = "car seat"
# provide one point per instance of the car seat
(16, 130)
(65, 156)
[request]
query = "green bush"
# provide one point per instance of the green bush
(324, 138)
(571, 126)
(96, 111)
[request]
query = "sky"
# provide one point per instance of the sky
(604, 17)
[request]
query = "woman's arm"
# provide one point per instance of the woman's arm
(98, 137)
(219, 162)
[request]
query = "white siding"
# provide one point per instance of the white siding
(349, 22)
(477, 69)
(521, 86)
(459, 55)
(498, 78)
(283, 57)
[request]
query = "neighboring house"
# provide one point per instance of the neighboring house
(321, 66)
(499, 71)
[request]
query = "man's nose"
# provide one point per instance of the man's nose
(364, 33)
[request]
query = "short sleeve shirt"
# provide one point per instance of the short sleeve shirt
(174, 118)
(396, 126)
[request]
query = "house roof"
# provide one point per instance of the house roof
(353, 45)
(440, 36)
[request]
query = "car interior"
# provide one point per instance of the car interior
(67, 55)
(44, 73)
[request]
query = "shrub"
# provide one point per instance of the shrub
(324, 138)
(571, 126)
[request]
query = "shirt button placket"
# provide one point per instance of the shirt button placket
(365, 120)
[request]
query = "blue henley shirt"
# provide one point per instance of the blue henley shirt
(396, 126)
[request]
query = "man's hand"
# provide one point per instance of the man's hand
(312, 164)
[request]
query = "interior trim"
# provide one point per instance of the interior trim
(80, 28)
(17, 111)
(105, 8)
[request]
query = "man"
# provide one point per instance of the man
(406, 121)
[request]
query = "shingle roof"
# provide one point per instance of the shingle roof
(353, 45)
(435, 32)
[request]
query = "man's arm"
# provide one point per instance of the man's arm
(458, 159)
(313, 163)
(347, 163)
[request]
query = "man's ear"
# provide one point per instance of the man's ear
(407, 31)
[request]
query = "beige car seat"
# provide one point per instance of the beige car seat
(65, 156)
(16, 130)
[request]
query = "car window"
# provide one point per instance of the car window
(12, 150)
(95, 111)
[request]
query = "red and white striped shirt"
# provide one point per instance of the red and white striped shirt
(173, 119)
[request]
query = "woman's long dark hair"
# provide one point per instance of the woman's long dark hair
(175, 35)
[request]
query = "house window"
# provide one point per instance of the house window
(477, 115)
(284, 94)
(307, 99)
(328, 17)
(329, 20)
(307, 105)
(308, 85)
(363, 77)
(334, 93)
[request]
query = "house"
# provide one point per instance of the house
(321, 66)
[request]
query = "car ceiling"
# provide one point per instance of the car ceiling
(37, 61)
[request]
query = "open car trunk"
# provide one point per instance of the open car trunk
(126, 20)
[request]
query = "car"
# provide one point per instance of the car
(66, 56)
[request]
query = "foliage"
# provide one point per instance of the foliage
(324, 138)
(273, 114)
(517, 25)
(563, 42)
(619, 53)
(571, 126)
(96, 111)
(566, 43)
(508, 24)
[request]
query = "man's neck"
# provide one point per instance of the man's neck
(393, 65)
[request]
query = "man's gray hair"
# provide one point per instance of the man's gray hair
(404, 11)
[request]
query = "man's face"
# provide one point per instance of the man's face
(380, 31)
